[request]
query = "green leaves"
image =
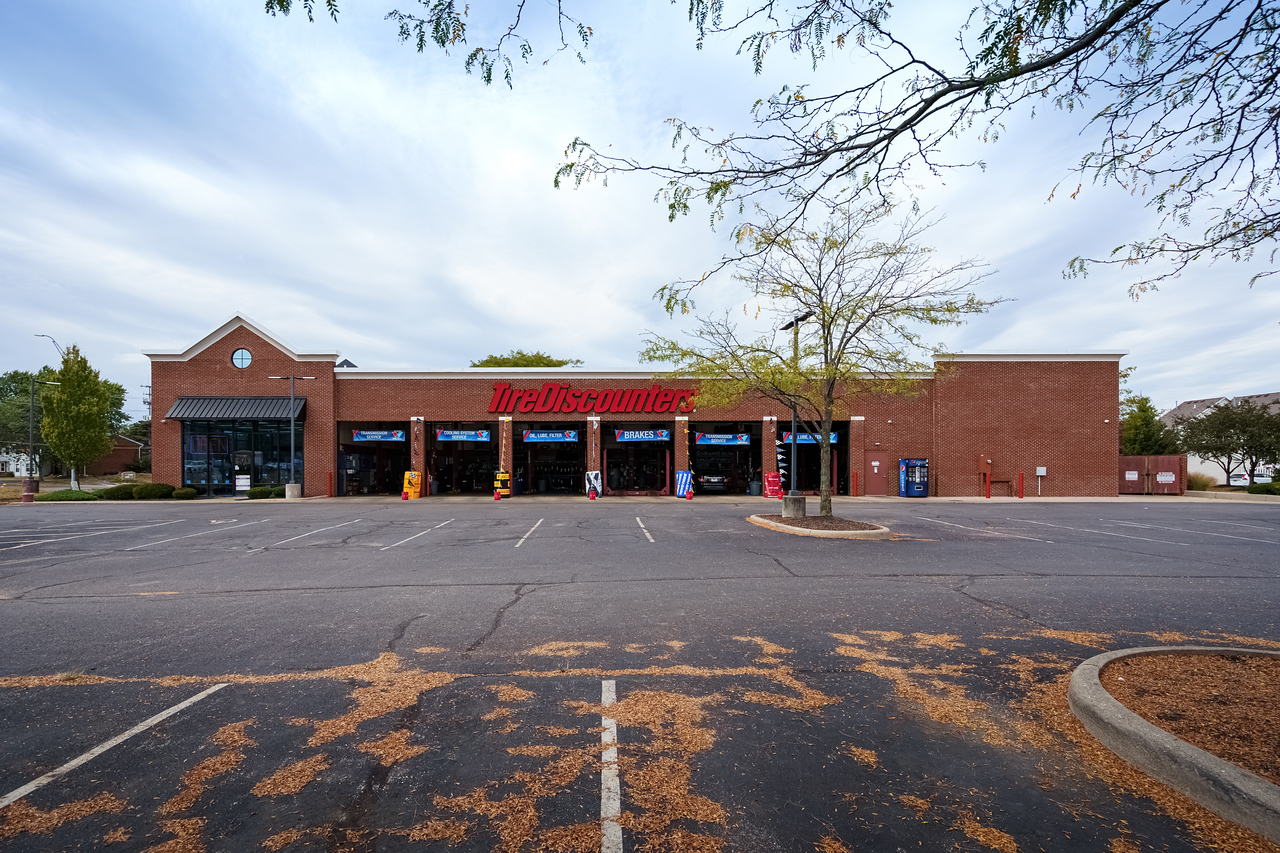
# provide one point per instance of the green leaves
(520, 358)
(77, 413)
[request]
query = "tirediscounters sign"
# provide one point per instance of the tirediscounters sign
(553, 397)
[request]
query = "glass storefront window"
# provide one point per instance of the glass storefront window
(211, 451)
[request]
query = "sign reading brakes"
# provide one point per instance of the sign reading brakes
(642, 434)
(554, 397)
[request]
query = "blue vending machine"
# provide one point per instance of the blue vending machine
(913, 478)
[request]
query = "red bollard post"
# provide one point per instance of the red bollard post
(987, 478)
(854, 490)
(1019, 485)
(329, 491)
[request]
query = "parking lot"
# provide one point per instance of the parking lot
(624, 674)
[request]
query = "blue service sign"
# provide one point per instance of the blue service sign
(642, 434)
(684, 483)
(805, 438)
(738, 438)
(462, 435)
(377, 435)
(551, 435)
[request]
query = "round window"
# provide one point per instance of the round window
(241, 358)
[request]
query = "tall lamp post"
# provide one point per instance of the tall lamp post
(291, 379)
(32, 483)
(794, 326)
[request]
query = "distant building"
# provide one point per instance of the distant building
(1197, 408)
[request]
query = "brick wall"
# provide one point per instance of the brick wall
(210, 373)
(1020, 412)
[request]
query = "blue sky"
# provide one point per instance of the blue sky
(164, 166)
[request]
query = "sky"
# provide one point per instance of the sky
(165, 166)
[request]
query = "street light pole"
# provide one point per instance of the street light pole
(292, 428)
(794, 326)
(31, 437)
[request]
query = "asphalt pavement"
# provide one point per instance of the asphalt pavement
(437, 674)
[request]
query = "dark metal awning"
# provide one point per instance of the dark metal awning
(235, 408)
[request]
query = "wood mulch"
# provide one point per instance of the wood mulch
(1226, 704)
(821, 522)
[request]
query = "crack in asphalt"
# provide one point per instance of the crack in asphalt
(401, 628)
(497, 618)
(781, 565)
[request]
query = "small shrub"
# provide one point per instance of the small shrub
(1200, 482)
(66, 495)
(259, 492)
(152, 491)
(7, 474)
(277, 492)
(118, 493)
(1264, 489)
(184, 494)
(139, 466)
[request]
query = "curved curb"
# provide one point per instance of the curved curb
(878, 533)
(1230, 791)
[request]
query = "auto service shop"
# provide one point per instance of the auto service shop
(222, 409)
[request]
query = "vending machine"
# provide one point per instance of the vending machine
(913, 478)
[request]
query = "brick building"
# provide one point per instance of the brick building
(226, 408)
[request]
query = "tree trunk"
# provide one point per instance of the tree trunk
(825, 463)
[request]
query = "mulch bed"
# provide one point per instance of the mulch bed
(821, 522)
(1228, 705)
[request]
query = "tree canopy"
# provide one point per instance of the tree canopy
(857, 290)
(77, 413)
(1179, 99)
(520, 358)
(1141, 431)
(1233, 435)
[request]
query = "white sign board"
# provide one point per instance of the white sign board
(242, 482)
(1164, 477)
(1131, 475)
(1042, 471)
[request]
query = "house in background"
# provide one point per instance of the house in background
(1197, 408)
(124, 453)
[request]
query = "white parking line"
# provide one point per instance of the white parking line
(85, 535)
(1099, 532)
(1238, 524)
(201, 533)
(610, 789)
(1196, 532)
(983, 530)
(416, 535)
(526, 536)
(18, 793)
(645, 529)
(321, 530)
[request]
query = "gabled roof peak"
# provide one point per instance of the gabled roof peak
(238, 321)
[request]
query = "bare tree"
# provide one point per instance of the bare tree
(857, 303)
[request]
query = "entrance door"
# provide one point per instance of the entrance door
(876, 470)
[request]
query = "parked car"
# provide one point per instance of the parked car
(1238, 480)
(713, 483)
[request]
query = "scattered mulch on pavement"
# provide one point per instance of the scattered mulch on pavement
(1226, 704)
(820, 522)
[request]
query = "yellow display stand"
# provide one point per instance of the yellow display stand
(502, 484)
(412, 485)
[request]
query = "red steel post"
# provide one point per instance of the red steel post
(1019, 484)
(854, 483)
(987, 480)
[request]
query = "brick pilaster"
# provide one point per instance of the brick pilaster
(768, 446)
(857, 443)
(681, 440)
(593, 445)
(418, 451)
(505, 448)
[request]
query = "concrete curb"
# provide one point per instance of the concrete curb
(1234, 496)
(1230, 791)
(878, 533)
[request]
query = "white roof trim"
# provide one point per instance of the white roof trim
(1009, 356)
(226, 328)
(513, 373)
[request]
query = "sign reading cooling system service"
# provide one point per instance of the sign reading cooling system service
(554, 397)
